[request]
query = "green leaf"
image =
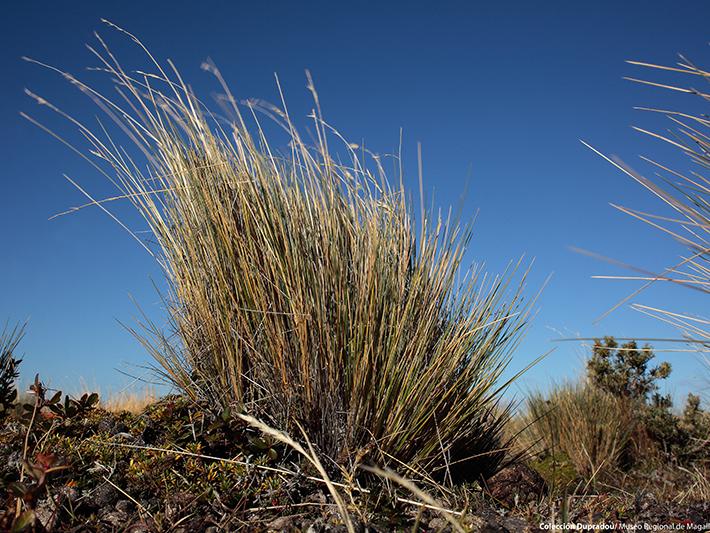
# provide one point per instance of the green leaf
(25, 520)
(93, 399)
(259, 443)
(56, 398)
(18, 488)
(34, 471)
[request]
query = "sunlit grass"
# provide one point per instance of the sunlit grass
(301, 288)
(576, 422)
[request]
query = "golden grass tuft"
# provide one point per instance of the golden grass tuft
(580, 423)
(301, 289)
(131, 401)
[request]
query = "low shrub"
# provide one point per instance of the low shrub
(659, 434)
(679, 438)
(624, 370)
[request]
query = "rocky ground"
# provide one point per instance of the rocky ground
(174, 467)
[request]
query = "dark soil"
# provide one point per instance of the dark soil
(175, 467)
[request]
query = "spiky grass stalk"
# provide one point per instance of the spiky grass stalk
(298, 287)
(687, 194)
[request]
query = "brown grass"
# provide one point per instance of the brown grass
(131, 400)
(588, 426)
(301, 289)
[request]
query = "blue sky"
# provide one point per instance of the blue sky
(498, 93)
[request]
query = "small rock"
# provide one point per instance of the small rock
(438, 524)
(101, 496)
(282, 523)
(139, 527)
(115, 518)
(515, 485)
(106, 424)
(515, 525)
(46, 513)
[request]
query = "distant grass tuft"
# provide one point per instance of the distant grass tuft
(131, 401)
(578, 424)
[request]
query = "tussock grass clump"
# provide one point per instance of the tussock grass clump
(300, 287)
(132, 401)
(580, 423)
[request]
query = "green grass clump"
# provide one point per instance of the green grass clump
(301, 289)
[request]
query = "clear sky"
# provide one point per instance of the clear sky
(498, 93)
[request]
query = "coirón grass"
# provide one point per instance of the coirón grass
(579, 422)
(300, 287)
